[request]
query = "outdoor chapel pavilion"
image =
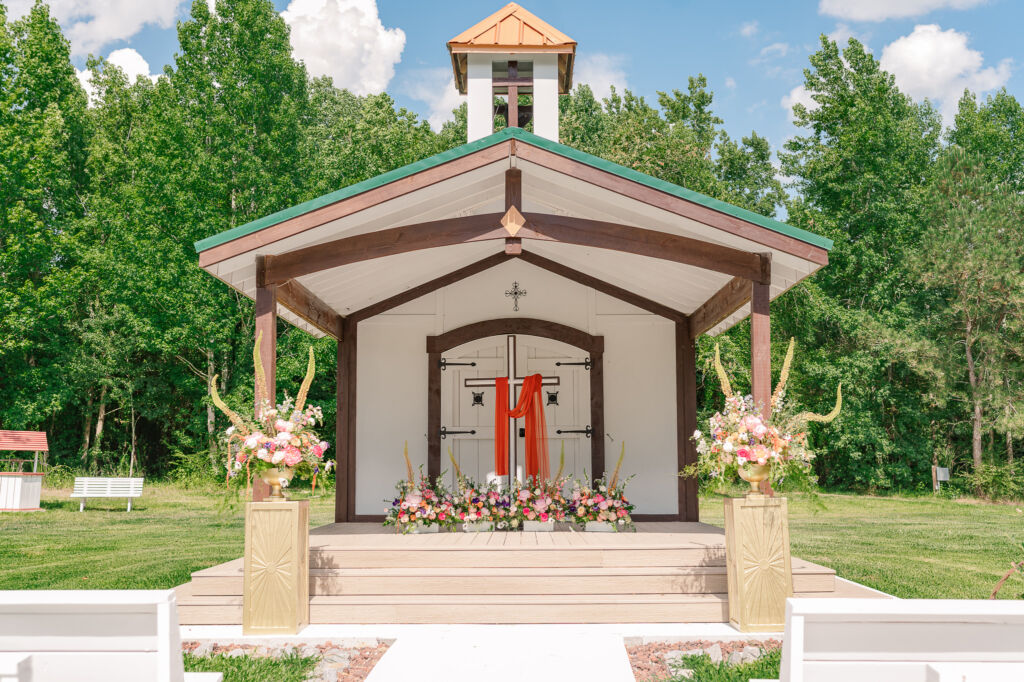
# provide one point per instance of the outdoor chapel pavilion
(508, 256)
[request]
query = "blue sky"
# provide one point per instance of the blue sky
(753, 53)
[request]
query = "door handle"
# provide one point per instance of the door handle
(589, 431)
(445, 432)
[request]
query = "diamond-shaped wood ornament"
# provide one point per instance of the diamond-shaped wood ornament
(513, 221)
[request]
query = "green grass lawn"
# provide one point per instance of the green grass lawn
(169, 533)
(909, 547)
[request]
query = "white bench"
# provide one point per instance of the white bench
(108, 635)
(903, 640)
(86, 487)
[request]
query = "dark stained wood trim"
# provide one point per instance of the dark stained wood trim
(368, 518)
(760, 347)
(515, 325)
(514, 189)
(513, 246)
(597, 444)
(428, 235)
(354, 204)
(436, 345)
(656, 517)
(673, 204)
(686, 420)
(345, 433)
(644, 242)
(433, 415)
(721, 305)
(308, 306)
(428, 287)
(602, 286)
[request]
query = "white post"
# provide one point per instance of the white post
(479, 96)
(545, 96)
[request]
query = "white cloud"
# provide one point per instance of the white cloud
(749, 29)
(435, 87)
(92, 24)
(938, 65)
(601, 71)
(798, 95)
(730, 82)
(774, 50)
(880, 10)
(128, 60)
(842, 34)
(345, 39)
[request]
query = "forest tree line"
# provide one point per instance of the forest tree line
(109, 331)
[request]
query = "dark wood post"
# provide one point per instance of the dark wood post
(345, 433)
(598, 463)
(266, 323)
(433, 415)
(760, 348)
(686, 418)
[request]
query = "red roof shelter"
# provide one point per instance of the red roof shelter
(24, 441)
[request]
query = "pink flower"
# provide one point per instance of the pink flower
(543, 516)
(743, 454)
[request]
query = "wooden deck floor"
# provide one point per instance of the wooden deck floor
(365, 573)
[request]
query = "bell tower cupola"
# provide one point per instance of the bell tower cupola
(509, 54)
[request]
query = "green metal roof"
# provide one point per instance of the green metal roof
(497, 138)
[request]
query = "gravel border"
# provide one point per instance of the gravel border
(649, 660)
(338, 662)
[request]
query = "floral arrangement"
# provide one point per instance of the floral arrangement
(473, 503)
(419, 502)
(533, 501)
(280, 435)
(741, 441)
(604, 501)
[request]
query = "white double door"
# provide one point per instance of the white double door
(467, 410)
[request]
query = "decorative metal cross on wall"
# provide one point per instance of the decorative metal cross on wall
(515, 293)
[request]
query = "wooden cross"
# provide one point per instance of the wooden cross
(514, 381)
(513, 82)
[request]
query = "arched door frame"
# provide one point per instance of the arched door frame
(592, 345)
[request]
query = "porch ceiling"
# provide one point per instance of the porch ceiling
(480, 189)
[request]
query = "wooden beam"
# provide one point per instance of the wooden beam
(306, 305)
(353, 204)
(644, 242)
(721, 305)
(514, 189)
(266, 324)
(515, 325)
(427, 287)
(760, 348)
(513, 94)
(686, 419)
(383, 243)
(673, 204)
(602, 286)
(345, 432)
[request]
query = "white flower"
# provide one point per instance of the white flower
(697, 434)
(278, 456)
(262, 453)
(252, 441)
(284, 482)
(727, 446)
(238, 465)
(231, 430)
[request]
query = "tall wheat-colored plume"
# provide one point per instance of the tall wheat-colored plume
(805, 417)
(561, 462)
(615, 476)
(784, 375)
(723, 378)
(408, 465)
(261, 378)
(239, 425)
(458, 471)
(300, 400)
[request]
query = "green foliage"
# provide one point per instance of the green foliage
(290, 668)
(703, 670)
(998, 481)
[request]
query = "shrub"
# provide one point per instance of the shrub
(999, 481)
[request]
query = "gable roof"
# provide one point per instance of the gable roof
(498, 138)
(512, 29)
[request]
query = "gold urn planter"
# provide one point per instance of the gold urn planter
(276, 478)
(275, 593)
(758, 564)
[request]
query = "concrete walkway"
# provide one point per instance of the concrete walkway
(497, 653)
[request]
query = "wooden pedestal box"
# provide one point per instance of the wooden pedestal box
(759, 569)
(276, 585)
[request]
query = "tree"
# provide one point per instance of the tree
(860, 169)
(971, 257)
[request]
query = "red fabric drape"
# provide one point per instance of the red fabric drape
(531, 406)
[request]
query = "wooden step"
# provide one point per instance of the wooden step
(226, 579)
(521, 557)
